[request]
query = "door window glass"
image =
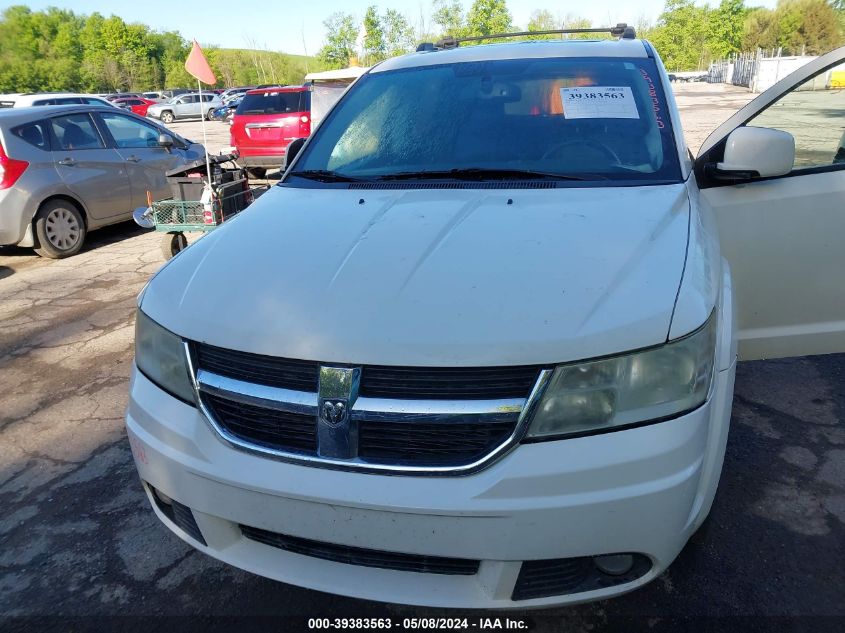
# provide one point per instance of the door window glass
(129, 132)
(75, 131)
(814, 113)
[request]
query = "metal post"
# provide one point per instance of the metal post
(204, 137)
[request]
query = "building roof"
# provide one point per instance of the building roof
(353, 72)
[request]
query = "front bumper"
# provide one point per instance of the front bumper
(643, 490)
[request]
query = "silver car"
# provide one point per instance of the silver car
(188, 106)
(67, 170)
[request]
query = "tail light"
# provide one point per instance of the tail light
(10, 169)
(304, 126)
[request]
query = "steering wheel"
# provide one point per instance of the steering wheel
(586, 142)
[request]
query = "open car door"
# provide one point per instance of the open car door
(778, 197)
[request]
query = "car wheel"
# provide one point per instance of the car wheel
(210, 115)
(60, 229)
(167, 117)
(256, 172)
(172, 244)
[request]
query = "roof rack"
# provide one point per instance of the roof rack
(621, 30)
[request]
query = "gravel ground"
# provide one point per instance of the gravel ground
(78, 540)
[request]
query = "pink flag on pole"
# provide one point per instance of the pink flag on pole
(197, 66)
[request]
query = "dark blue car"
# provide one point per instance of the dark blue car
(222, 113)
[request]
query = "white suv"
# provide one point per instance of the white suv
(477, 348)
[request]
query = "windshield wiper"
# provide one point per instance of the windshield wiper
(479, 173)
(325, 175)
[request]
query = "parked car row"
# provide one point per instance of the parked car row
(90, 160)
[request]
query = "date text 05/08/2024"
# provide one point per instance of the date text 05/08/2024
(413, 624)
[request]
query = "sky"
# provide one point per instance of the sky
(297, 27)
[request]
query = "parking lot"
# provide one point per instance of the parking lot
(77, 537)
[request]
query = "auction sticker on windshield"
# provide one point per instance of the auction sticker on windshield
(599, 102)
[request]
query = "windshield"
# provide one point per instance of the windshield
(590, 119)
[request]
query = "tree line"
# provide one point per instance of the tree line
(59, 50)
(688, 36)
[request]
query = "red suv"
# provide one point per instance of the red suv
(266, 122)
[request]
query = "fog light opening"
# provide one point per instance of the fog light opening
(614, 564)
(163, 498)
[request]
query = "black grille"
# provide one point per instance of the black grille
(452, 383)
(541, 578)
(180, 514)
(429, 444)
(266, 427)
(417, 444)
(361, 556)
(563, 576)
(425, 383)
(301, 375)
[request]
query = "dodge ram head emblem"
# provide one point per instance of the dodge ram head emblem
(337, 430)
(333, 412)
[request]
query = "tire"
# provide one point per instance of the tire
(59, 229)
(172, 244)
(256, 172)
(167, 116)
(210, 115)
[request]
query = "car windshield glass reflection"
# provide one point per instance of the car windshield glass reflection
(602, 120)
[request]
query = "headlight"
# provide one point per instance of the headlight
(649, 385)
(160, 355)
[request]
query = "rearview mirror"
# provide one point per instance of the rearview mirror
(293, 150)
(758, 152)
(165, 141)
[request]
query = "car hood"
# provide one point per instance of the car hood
(433, 277)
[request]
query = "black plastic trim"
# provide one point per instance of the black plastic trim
(363, 557)
(565, 576)
(180, 514)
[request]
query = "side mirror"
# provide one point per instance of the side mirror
(143, 217)
(752, 152)
(293, 150)
(165, 141)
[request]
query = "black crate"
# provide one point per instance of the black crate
(186, 189)
(234, 196)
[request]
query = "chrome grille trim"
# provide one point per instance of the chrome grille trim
(286, 400)
(442, 411)
(397, 411)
